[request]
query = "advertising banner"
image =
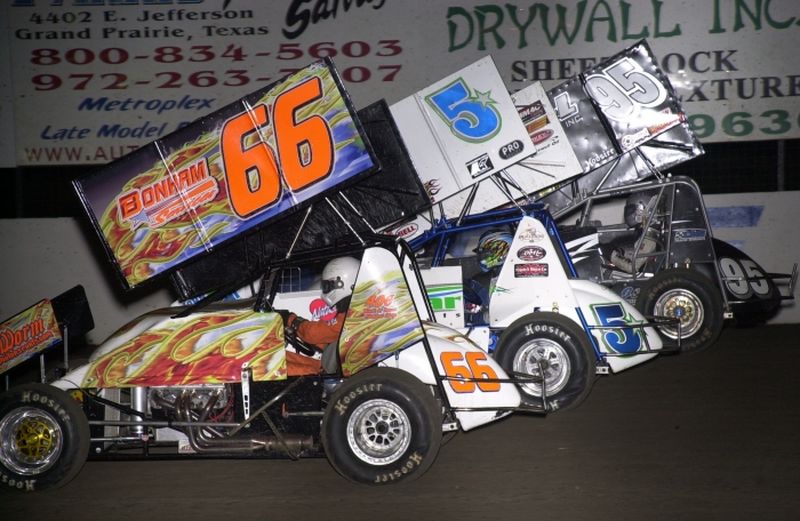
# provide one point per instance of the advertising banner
(224, 174)
(94, 79)
(28, 333)
(461, 129)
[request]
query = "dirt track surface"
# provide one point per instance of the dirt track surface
(712, 435)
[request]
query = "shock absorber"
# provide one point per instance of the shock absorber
(139, 403)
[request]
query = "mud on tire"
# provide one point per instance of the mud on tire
(382, 426)
(44, 438)
(564, 350)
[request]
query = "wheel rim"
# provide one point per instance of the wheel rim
(378, 432)
(554, 363)
(683, 305)
(31, 441)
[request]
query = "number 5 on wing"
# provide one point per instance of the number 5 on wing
(305, 148)
(464, 378)
(470, 117)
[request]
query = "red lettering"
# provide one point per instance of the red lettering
(129, 205)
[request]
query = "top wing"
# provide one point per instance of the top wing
(263, 156)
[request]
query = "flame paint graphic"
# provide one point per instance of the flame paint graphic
(368, 338)
(200, 349)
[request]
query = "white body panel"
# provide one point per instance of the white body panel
(592, 298)
(446, 343)
(531, 279)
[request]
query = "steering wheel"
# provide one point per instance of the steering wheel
(290, 335)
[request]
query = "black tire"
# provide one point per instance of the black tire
(563, 348)
(44, 438)
(382, 426)
(688, 295)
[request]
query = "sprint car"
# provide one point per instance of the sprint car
(669, 263)
(223, 380)
(535, 316)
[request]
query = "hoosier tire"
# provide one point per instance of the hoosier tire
(564, 352)
(382, 426)
(689, 296)
(44, 438)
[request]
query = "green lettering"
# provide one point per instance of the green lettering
(658, 33)
(717, 27)
(561, 24)
(481, 11)
(522, 28)
(626, 13)
(775, 23)
(612, 27)
(452, 27)
(755, 17)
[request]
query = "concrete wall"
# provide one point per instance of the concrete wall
(40, 258)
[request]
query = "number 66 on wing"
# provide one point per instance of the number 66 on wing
(224, 174)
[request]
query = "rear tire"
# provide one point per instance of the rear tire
(44, 438)
(688, 295)
(382, 426)
(563, 348)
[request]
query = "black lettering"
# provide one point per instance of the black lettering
(697, 92)
(723, 63)
(294, 16)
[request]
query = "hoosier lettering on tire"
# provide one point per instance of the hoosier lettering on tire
(554, 348)
(382, 426)
(44, 438)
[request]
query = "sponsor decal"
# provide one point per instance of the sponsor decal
(533, 116)
(511, 149)
(541, 136)
(320, 310)
(445, 297)
(531, 253)
(380, 305)
(531, 235)
(169, 198)
(404, 230)
(28, 333)
(630, 293)
(631, 140)
(690, 235)
(480, 165)
(539, 269)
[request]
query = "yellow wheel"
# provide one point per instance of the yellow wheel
(44, 438)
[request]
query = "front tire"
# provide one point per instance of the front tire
(382, 426)
(562, 349)
(689, 296)
(44, 438)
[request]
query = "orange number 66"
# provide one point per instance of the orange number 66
(475, 372)
(305, 148)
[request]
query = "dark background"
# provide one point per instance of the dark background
(749, 166)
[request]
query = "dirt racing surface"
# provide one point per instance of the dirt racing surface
(713, 435)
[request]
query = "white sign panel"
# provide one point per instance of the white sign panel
(462, 129)
(554, 161)
(94, 79)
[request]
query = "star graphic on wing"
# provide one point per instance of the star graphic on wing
(484, 98)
